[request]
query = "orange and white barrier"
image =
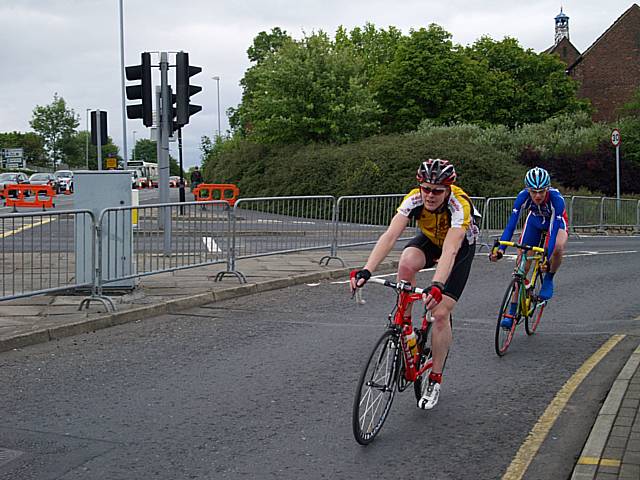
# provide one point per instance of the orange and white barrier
(226, 192)
(41, 196)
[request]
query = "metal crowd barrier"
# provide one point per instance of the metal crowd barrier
(156, 239)
(619, 213)
(585, 213)
(495, 218)
(360, 220)
(38, 252)
(276, 225)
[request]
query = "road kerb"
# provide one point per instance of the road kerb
(176, 305)
(603, 425)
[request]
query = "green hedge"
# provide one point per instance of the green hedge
(380, 164)
(490, 160)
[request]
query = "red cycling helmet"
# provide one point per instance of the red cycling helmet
(436, 171)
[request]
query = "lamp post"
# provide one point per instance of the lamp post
(217, 79)
(124, 103)
(86, 150)
(133, 152)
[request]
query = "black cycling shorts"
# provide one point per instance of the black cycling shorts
(461, 267)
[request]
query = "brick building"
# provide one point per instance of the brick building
(609, 70)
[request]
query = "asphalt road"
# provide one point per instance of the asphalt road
(262, 386)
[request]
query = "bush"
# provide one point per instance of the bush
(595, 170)
(376, 165)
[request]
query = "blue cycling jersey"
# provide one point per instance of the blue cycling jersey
(549, 216)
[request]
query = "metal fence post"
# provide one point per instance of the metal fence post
(333, 252)
(601, 225)
(96, 264)
(231, 254)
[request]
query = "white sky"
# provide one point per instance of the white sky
(73, 46)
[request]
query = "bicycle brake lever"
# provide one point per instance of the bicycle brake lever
(358, 296)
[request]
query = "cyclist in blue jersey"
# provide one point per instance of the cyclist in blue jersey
(547, 213)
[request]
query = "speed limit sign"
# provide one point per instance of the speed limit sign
(615, 137)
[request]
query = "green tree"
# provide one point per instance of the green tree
(431, 78)
(529, 87)
(265, 44)
(76, 151)
(307, 91)
(56, 124)
(376, 48)
(30, 142)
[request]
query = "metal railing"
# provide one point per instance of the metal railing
(152, 239)
(584, 213)
(276, 225)
(41, 251)
(618, 213)
(38, 252)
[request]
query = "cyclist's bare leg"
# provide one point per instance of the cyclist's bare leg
(558, 250)
(411, 262)
(441, 332)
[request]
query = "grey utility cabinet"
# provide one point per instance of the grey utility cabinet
(96, 191)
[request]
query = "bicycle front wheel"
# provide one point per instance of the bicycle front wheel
(376, 388)
(537, 307)
(504, 335)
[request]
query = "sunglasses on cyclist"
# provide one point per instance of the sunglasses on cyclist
(538, 190)
(435, 191)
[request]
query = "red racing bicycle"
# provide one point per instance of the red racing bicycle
(398, 360)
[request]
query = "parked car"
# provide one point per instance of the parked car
(65, 180)
(174, 181)
(9, 178)
(45, 179)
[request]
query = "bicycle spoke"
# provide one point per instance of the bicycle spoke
(376, 389)
(504, 336)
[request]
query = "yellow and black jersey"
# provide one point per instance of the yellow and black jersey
(457, 211)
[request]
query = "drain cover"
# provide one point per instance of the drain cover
(7, 455)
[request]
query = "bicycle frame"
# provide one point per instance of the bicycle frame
(403, 324)
(520, 271)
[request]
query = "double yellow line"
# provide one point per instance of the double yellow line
(540, 430)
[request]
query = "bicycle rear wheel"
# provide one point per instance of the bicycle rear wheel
(503, 336)
(376, 388)
(537, 307)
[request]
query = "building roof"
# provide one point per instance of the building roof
(565, 42)
(606, 32)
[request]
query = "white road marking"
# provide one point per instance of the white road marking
(510, 257)
(211, 244)
(385, 275)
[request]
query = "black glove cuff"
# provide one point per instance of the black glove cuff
(438, 285)
(364, 274)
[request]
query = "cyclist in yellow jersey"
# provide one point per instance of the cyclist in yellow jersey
(448, 232)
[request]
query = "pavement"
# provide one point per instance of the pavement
(612, 450)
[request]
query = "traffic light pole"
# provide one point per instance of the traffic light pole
(99, 138)
(181, 185)
(163, 158)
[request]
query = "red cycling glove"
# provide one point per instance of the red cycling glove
(436, 291)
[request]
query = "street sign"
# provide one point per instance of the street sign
(112, 163)
(615, 137)
(12, 158)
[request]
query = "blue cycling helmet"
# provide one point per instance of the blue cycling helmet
(537, 178)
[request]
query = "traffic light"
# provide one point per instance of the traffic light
(142, 91)
(103, 128)
(184, 109)
(173, 124)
